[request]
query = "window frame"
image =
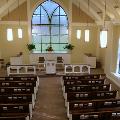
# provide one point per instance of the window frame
(50, 27)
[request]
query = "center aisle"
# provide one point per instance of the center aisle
(50, 102)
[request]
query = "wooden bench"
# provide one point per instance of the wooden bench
(87, 76)
(82, 82)
(18, 98)
(26, 83)
(92, 105)
(22, 78)
(103, 115)
(89, 95)
(22, 117)
(85, 88)
(15, 110)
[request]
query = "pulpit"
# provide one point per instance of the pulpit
(50, 66)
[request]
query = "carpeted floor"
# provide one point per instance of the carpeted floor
(50, 102)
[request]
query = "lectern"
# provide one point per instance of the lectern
(50, 66)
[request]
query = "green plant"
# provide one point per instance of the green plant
(69, 46)
(49, 48)
(30, 47)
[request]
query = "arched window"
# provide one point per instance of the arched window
(49, 27)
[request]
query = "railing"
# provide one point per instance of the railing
(21, 69)
(77, 68)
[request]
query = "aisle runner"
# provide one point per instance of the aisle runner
(50, 102)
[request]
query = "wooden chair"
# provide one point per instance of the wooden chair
(41, 60)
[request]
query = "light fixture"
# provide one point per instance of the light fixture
(9, 30)
(9, 34)
(78, 34)
(103, 33)
(87, 31)
(87, 35)
(20, 32)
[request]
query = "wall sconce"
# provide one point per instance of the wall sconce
(103, 32)
(103, 38)
(87, 35)
(78, 34)
(9, 30)
(19, 33)
(9, 34)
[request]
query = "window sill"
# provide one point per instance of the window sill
(116, 75)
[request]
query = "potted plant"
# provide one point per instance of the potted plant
(69, 47)
(49, 49)
(30, 47)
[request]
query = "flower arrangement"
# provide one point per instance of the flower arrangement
(49, 48)
(69, 46)
(30, 47)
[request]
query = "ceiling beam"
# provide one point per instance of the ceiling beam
(11, 5)
(110, 8)
(6, 6)
(91, 11)
(102, 8)
(84, 7)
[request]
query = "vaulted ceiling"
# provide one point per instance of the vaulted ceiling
(94, 8)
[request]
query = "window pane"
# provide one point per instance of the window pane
(62, 47)
(36, 39)
(45, 39)
(55, 31)
(44, 16)
(44, 47)
(63, 20)
(56, 12)
(44, 20)
(36, 29)
(55, 39)
(38, 47)
(62, 12)
(64, 39)
(63, 30)
(55, 20)
(49, 6)
(44, 30)
(37, 11)
(36, 20)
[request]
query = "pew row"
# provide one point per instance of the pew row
(92, 105)
(89, 95)
(12, 110)
(85, 88)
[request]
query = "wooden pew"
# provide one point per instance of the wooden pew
(18, 98)
(79, 77)
(92, 105)
(26, 83)
(15, 110)
(89, 95)
(22, 78)
(87, 76)
(83, 82)
(22, 117)
(85, 88)
(103, 115)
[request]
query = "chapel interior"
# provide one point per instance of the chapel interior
(59, 60)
